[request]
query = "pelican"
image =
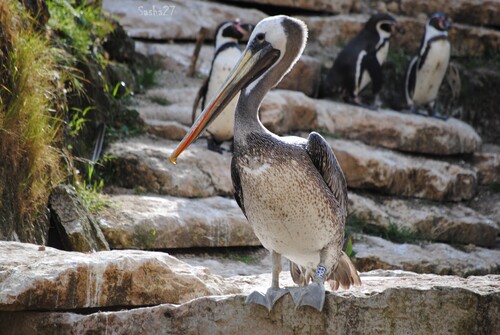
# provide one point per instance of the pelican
(291, 190)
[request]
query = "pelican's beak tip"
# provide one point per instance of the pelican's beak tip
(173, 160)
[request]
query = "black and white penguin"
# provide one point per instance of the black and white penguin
(227, 53)
(360, 62)
(427, 70)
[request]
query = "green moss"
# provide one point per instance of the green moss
(161, 101)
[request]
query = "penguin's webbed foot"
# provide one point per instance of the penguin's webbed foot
(356, 102)
(312, 295)
(435, 114)
(268, 300)
(214, 146)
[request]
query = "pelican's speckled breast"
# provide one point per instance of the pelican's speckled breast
(286, 200)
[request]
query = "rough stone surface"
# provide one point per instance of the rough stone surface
(169, 130)
(376, 253)
(398, 303)
(43, 278)
(366, 167)
(394, 130)
(453, 223)
(143, 162)
(487, 164)
(332, 31)
(305, 76)
(175, 19)
(154, 222)
(77, 228)
(284, 111)
(178, 56)
(328, 6)
(475, 12)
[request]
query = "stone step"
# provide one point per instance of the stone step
(154, 222)
(284, 111)
(164, 222)
(387, 302)
(371, 168)
(396, 130)
(42, 278)
(333, 31)
(376, 253)
(143, 162)
(176, 19)
(450, 223)
(304, 77)
(183, 20)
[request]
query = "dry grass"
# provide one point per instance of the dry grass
(27, 129)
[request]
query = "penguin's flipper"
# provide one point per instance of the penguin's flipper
(202, 92)
(411, 80)
(371, 64)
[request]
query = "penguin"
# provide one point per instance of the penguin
(227, 52)
(360, 62)
(427, 69)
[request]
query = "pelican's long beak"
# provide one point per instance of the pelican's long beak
(256, 59)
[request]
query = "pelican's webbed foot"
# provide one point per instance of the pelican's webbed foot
(268, 300)
(311, 295)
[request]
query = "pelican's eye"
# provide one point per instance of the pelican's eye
(260, 37)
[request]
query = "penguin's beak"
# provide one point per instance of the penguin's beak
(445, 23)
(398, 28)
(244, 29)
(255, 60)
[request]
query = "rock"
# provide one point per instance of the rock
(398, 303)
(305, 76)
(169, 130)
(487, 165)
(325, 6)
(177, 56)
(394, 130)
(177, 19)
(376, 253)
(436, 222)
(154, 222)
(77, 228)
(333, 31)
(143, 162)
(366, 167)
(49, 279)
(284, 111)
(475, 12)
(177, 106)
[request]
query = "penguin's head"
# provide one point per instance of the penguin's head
(383, 24)
(231, 31)
(439, 21)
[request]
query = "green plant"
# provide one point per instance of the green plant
(81, 27)
(78, 120)
(401, 234)
(147, 78)
(348, 249)
(160, 101)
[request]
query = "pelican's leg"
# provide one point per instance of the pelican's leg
(274, 293)
(314, 294)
